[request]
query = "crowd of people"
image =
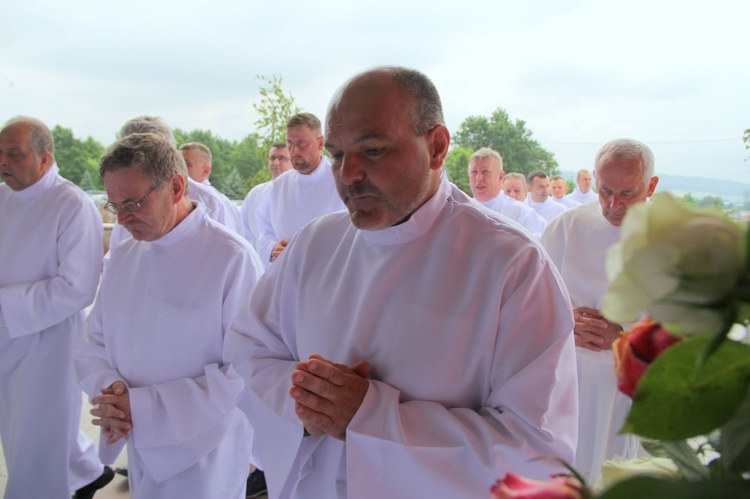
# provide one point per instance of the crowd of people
(360, 328)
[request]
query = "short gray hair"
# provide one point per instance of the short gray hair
(150, 154)
(517, 176)
(627, 149)
(486, 152)
(148, 124)
(41, 139)
(428, 109)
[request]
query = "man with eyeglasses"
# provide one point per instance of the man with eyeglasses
(50, 251)
(278, 163)
(300, 195)
(218, 206)
(152, 357)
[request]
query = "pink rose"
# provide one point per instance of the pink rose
(516, 487)
(634, 351)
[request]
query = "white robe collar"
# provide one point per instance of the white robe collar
(39, 186)
(417, 225)
(182, 229)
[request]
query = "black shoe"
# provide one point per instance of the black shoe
(256, 484)
(122, 472)
(88, 491)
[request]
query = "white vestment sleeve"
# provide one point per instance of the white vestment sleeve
(30, 307)
(267, 237)
(528, 415)
(529, 412)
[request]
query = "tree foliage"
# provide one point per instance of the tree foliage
(245, 156)
(274, 109)
(232, 185)
(76, 157)
(520, 152)
(457, 165)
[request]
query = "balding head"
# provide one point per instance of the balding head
(387, 142)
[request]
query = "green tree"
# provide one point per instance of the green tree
(249, 157)
(689, 200)
(457, 166)
(87, 183)
(717, 201)
(520, 152)
(233, 187)
(75, 157)
(274, 109)
(746, 138)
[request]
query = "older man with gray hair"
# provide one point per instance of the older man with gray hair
(152, 361)
(486, 182)
(50, 249)
(577, 241)
(219, 207)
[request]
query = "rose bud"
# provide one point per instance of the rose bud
(516, 487)
(634, 351)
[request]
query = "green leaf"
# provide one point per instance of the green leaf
(686, 459)
(674, 401)
(735, 438)
(649, 487)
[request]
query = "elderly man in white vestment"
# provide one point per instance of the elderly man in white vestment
(154, 342)
(577, 241)
(219, 207)
(279, 162)
(50, 254)
(540, 198)
(486, 182)
(583, 193)
(300, 195)
(397, 350)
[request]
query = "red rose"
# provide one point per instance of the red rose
(516, 487)
(634, 351)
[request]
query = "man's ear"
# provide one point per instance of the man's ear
(320, 143)
(439, 140)
(178, 184)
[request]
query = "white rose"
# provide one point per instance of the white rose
(680, 266)
(619, 468)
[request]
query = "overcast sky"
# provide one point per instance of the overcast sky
(578, 72)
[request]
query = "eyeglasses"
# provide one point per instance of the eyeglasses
(127, 206)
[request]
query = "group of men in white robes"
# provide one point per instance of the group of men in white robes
(300, 194)
(486, 181)
(50, 249)
(359, 376)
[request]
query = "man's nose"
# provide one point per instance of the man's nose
(350, 171)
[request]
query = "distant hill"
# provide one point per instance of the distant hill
(697, 186)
